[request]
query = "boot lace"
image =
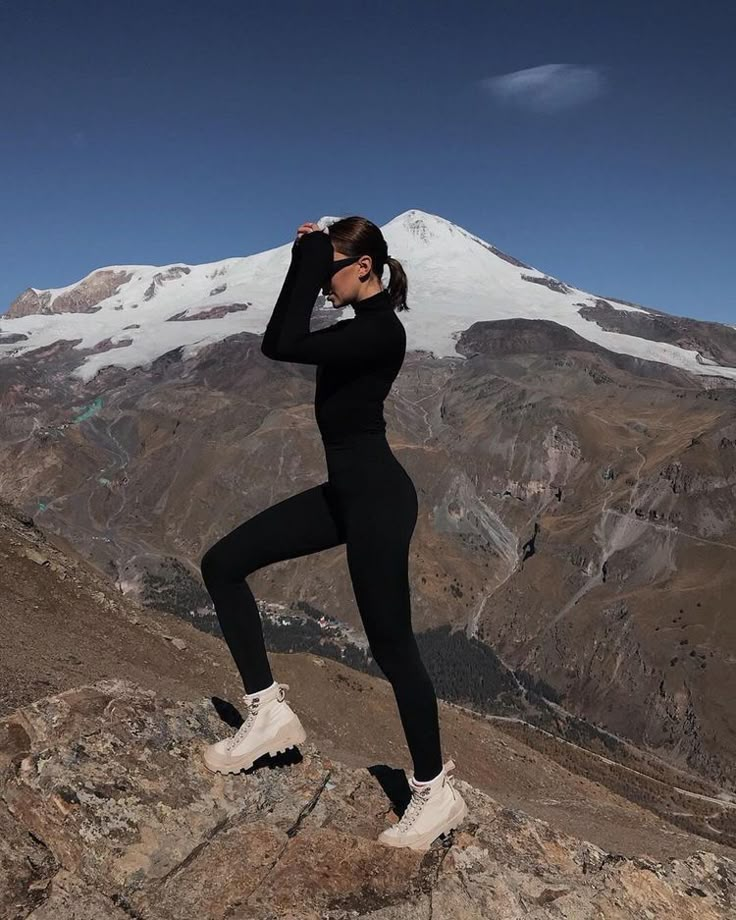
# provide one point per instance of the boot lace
(252, 704)
(413, 809)
(419, 797)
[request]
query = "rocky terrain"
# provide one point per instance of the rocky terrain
(105, 809)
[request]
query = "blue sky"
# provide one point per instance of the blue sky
(593, 140)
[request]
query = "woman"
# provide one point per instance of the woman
(368, 502)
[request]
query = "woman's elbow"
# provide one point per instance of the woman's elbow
(268, 350)
(275, 354)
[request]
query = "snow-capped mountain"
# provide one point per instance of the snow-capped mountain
(129, 315)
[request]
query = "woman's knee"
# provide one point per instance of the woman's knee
(216, 568)
(393, 652)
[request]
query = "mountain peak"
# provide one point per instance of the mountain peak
(420, 224)
(413, 220)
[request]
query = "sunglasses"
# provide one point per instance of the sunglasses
(335, 267)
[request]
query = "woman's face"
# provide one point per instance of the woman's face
(343, 282)
(345, 285)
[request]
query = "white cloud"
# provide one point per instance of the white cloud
(548, 88)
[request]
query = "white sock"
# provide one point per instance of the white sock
(426, 782)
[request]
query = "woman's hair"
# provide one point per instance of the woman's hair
(358, 236)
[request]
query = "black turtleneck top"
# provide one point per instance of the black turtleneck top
(357, 359)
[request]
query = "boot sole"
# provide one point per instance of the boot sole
(425, 842)
(280, 744)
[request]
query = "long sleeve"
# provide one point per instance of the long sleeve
(269, 345)
(347, 343)
(311, 257)
(287, 336)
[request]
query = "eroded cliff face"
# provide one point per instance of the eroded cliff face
(632, 627)
(83, 297)
(107, 810)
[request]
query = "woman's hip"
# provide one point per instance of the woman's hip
(380, 495)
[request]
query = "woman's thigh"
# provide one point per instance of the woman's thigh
(378, 537)
(304, 523)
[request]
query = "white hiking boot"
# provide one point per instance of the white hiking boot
(271, 726)
(435, 809)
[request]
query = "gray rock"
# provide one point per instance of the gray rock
(106, 810)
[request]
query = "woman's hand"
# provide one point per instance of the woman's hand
(307, 227)
(313, 247)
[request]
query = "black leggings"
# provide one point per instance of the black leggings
(369, 503)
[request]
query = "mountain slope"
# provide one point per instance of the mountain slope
(64, 627)
(540, 459)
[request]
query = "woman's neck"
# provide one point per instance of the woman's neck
(378, 301)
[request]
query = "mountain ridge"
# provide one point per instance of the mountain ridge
(129, 315)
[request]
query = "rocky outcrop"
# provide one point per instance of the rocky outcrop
(552, 283)
(84, 297)
(107, 810)
(107, 344)
(160, 278)
(714, 342)
(12, 337)
(210, 313)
